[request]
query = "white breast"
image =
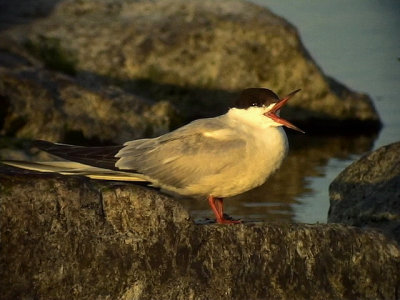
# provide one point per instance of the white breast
(266, 147)
(267, 144)
(265, 152)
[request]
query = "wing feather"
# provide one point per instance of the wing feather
(74, 168)
(102, 157)
(186, 156)
(182, 157)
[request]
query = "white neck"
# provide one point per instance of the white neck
(253, 116)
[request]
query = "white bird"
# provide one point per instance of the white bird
(213, 157)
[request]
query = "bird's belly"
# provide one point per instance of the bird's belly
(262, 157)
(252, 174)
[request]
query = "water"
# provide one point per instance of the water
(356, 42)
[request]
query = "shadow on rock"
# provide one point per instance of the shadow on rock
(24, 11)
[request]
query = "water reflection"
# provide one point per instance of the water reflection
(277, 199)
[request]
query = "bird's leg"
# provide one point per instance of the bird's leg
(211, 201)
(217, 205)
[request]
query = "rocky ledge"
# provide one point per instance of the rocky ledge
(74, 238)
(367, 193)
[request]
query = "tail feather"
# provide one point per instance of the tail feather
(101, 157)
(74, 168)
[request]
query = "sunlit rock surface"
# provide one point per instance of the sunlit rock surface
(367, 193)
(194, 54)
(42, 104)
(72, 238)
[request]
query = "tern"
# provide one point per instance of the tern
(213, 158)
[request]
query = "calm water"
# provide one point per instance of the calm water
(356, 42)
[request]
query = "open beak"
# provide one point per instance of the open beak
(273, 112)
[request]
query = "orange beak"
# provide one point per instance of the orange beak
(273, 112)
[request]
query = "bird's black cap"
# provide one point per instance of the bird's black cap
(256, 97)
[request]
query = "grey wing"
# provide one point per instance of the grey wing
(185, 156)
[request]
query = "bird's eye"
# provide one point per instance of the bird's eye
(254, 104)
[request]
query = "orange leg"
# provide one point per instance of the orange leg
(217, 206)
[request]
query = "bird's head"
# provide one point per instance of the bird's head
(269, 103)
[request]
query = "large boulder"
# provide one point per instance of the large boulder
(74, 238)
(196, 54)
(367, 193)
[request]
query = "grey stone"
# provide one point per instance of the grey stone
(196, 54)
(367, 193)
(43, 104)
(73, 238)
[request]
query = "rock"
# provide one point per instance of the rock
(367, 193)
(196, 54)
(23, 11)
(41, 104)
(70, 237)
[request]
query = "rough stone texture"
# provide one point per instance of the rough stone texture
(41, 104)
(197, 54)
(367, 193)
(72, 238)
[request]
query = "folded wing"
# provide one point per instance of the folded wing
(185, 156)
